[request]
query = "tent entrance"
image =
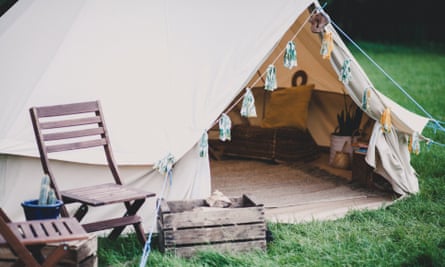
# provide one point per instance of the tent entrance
(295, 192)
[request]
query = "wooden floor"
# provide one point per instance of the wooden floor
(297, 193)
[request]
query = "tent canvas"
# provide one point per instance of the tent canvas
(173, 65)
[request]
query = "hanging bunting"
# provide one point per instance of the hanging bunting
(365, 99)
(248, 106)
(385, 120)
(204, 145)
(414, 146)
(224, 127)
(345, 72)
(165, 165)
(327, 45)
(290, 55)
(271, 78)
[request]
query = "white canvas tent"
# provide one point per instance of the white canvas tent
(163, 71)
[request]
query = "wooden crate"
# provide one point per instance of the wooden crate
(186, 227)
(81, 253)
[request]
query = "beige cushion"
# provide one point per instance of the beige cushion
(288, 107)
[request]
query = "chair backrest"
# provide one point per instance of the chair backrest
(71, 127)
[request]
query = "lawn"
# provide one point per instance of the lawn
(411, 232)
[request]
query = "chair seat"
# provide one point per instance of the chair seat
(39, 232)
(103, 194)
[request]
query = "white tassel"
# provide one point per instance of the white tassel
(224, 128)
(290, 55)
(365, 99)
(414, 145)
(385, 120)
(248, 106)
(271, 78)
(345, 73)
(204, 145)
(327, 45)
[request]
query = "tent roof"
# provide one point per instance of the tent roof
(163, 70)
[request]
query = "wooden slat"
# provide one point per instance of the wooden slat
(49, 228)
(50, 236)
(73, 134)
(76, 145)
(39, 231)
(26, 231)
(213, 216)
(70, 122)
(185, 205)
(67, 109)
(105, 194)
(215, 234)
(111, 223)
(92, 189)
(188, 251)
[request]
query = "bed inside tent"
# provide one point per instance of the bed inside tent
(283, 155)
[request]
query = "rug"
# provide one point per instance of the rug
(286, 189)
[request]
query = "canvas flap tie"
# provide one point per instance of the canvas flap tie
(327, 45)
(271, 78)
(345, 72)
(204, 145)
(290, 55)
(248, 107)
(224, 127)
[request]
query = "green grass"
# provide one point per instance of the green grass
(411, 232)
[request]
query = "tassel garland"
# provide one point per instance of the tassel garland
(271, 78)
(345, 72)
(290, 55)
(385, 121)
(248, 106)
(204, 145)
(365, 99)
(165, 165)
(327, 44)
(414, 146)
(224, 128)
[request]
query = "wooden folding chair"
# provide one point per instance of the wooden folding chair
(26, 239)
(81, 126)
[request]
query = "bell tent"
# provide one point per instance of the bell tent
(165, 72)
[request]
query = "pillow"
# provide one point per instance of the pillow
(288, 107)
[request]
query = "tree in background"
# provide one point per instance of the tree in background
(407, 21)
(404, 21)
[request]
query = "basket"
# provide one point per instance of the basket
(342, 159)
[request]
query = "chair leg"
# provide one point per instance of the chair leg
(140, 234)
(55, 256)
(131, 210)
(36, 252)
(81, 212)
